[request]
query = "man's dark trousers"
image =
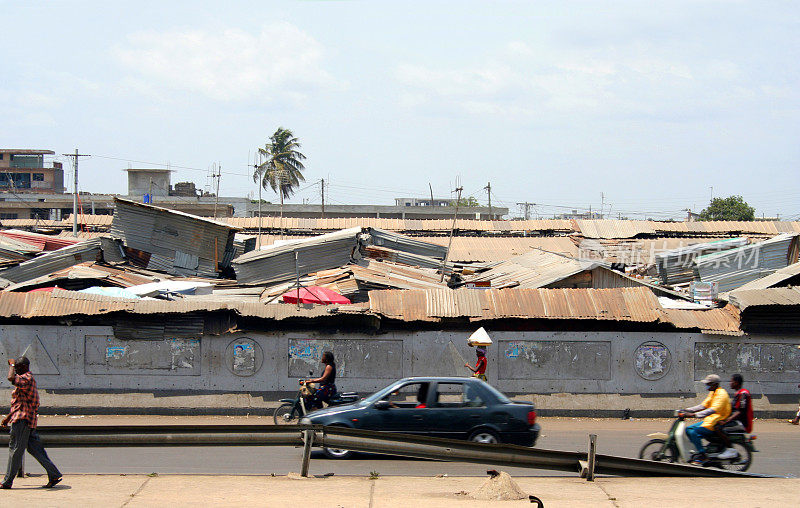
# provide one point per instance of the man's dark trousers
(22, 437)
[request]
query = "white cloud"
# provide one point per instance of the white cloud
(279, 61)
(520, 81)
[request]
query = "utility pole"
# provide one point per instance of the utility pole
(322, 190)
(260, 184)
(216, 199)
(602, 204)
(450, 241)
(150, 195)
(75, 156)
(431, 188)
(525, 206)
(489, 192)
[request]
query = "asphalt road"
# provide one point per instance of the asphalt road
(778, 444)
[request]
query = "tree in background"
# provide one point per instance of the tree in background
(282, 171)
(730, 208)
(469, 202)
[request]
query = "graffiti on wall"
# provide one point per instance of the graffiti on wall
(244, 357)
(652, 360)
(759, 362)
(105, 354)
(370, 358)
(530, 359)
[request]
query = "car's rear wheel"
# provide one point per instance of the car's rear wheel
(484, 436)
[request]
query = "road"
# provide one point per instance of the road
(778, 444)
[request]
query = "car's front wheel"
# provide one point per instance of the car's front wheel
(484, 436)
(336, 453)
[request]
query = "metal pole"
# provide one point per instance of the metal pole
(260, 184)
(75, 198)
(308, 442)
(450, 241)
(216, 201)
(591, 458)
(297, 278)
(322, 183)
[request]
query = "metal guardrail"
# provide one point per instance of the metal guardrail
(362, 441)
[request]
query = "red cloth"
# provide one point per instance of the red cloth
(480, 367)
(24, 400)
(743, 403)
(315, 294)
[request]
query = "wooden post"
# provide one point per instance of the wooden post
(591, 458)
(308, 441)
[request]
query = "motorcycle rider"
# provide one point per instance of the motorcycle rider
(715, 408)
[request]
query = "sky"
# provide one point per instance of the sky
(645, 109)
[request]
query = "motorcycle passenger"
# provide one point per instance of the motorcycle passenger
(715, 408)
(327, 386)
(741, 418)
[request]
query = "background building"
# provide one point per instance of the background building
(25, 171)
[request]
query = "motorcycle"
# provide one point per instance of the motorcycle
(676, 447)
(292, 410)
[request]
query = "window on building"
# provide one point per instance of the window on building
(27, 161)
(1, 156)
(8, 215)
(40, 213)
(4, 180)
(38, 177)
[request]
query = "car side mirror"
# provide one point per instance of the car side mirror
(383, 404)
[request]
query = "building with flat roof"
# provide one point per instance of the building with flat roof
(25, 171)
(155, 182)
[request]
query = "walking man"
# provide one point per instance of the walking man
(22, 417)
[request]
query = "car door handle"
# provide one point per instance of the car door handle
(475, 417)
(418, 417)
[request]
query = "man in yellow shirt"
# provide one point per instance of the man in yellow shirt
(713, 410)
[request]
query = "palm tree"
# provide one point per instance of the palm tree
(282, 171)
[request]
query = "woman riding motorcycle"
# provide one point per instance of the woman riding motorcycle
(327, 386)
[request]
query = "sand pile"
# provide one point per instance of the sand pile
(498, 487)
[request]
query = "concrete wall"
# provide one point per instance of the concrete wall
(540, 365)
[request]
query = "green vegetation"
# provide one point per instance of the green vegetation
(469, 202)
(283, 169)
(730, 208)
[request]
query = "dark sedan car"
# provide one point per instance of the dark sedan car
(450, 407)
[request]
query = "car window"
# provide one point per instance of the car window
(411, 395)
(458, 395)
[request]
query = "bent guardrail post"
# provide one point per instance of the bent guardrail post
(591, 458)
(308, 442)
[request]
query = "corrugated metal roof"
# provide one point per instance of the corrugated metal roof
(765, 297)
(736, 267)
(87, 250)
(415, 225)
(535, 269)
(43, 242)
(773, 279)
(389, 240)
(722, 320)
(470, 249)
(277, 264)
(605, 228)
(676, 266)
(172, 238)
(88, 270)
(89, 220)
(620, 304)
